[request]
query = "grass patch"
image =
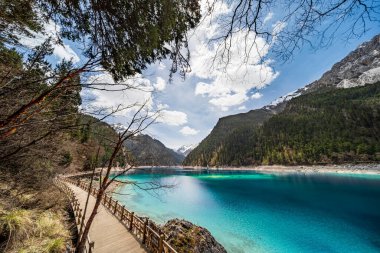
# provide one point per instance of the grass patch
(32, 231)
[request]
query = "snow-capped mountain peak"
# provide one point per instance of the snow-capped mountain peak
(186, 149)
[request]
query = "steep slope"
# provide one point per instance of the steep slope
(149, 151)
(229, 142)
(360, 67)
(81, 147)
(207, 151)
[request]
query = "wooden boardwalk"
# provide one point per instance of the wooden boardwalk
(108, 233)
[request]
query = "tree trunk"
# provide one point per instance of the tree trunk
(82, 240)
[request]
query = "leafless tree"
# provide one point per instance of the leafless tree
(141, 120)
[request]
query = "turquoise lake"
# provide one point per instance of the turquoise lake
(250, 212)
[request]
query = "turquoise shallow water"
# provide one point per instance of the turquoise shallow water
(249, 212)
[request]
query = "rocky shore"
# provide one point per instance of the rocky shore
(186, 237)
(368, 169)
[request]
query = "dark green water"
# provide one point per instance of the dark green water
(250, 212)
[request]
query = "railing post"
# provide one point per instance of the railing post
(79, 216)
(109, 203)
(130, 224)
(144, 231)
(122, 213)
(115, 209)
(91, 244)
(161, 244)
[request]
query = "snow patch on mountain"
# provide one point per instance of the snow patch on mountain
(286, 97)
(368, 77)
(119, 127)
(186, 149)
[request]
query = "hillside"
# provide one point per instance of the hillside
(96, 134)
(207, 151)
(329, 127)
(149, 151)
(306, 126)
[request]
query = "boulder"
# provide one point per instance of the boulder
(184, 236)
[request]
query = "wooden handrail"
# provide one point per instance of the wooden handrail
(154, 241)
(75, 206)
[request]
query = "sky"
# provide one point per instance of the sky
(191, 107)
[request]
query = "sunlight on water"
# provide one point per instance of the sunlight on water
(250, 212)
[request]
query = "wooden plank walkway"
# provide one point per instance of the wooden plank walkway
(109, 235)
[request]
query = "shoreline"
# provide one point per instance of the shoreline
(364, 169)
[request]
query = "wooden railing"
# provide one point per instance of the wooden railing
(78, 216)
(154, 241)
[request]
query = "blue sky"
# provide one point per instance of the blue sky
(191, 107)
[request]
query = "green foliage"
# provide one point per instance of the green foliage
(124, 36)
(33, 151)
(10, 57)
(127, 35)
(328, 126)
(17, 17)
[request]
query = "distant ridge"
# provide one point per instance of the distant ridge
(149, 151)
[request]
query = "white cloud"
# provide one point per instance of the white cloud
(268, 17)
(242, 107)
(65, 52)
(172, 118)
(162, 106)
(108, 96)
(188, 131)
(228, 100)
(160, 84)
(228, 85)
(51, 29)
(256, 95)
(277, 28)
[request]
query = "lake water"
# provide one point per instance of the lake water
(250, 212)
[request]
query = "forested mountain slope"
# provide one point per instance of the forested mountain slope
(149, 151)
(141, 149)
(328, 121)
(331, 126)
(207, 151)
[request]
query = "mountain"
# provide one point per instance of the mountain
(331, 120)
(96, 134)
(360, 67)
(186, 149)
(149, 151)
